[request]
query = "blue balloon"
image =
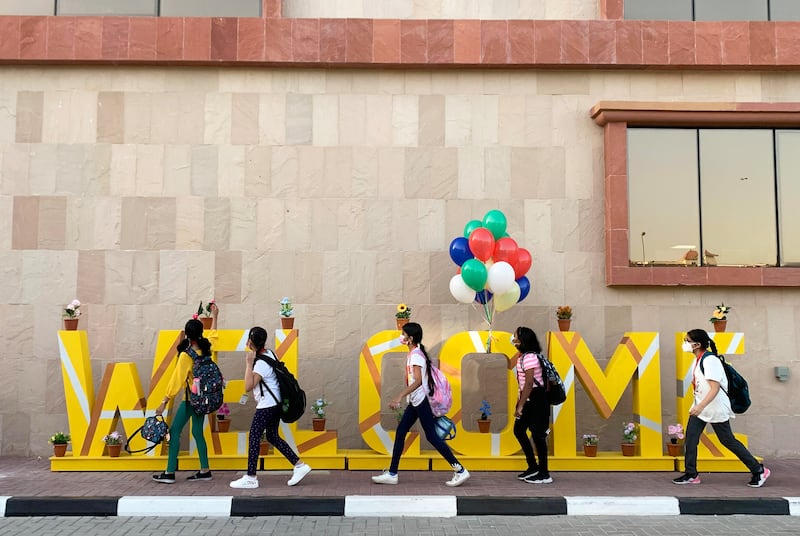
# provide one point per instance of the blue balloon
(459, 250)
(524, 288)
(483, 296)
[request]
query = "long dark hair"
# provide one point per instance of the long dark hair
(258, 336)
(700, 336)
(194, 334)
(528, 341)
(414, 332)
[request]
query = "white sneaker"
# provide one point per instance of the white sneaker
(458, 479)
(299, 472)
(246, 482)
(385, 478)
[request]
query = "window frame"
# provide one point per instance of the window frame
(615, 117)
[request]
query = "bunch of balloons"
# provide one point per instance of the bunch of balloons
(492, 266)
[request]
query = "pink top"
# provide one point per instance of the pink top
(529, 362)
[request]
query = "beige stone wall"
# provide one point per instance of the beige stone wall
(443, 9)
(142, 191)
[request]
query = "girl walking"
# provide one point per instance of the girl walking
(533, 410)
(419, 384)
(193, 346)
(712, 405)
(259, 377)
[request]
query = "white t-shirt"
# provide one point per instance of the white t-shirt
(719, 410)
(416, 357)
(267, 373)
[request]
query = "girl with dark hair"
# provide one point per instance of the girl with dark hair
(201, 347)
(259, 377)
(419, 385)
(712, 405)
(533, 410)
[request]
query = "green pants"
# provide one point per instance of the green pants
(182, 416)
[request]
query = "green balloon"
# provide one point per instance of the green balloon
(474, 274)
(496, 222)
(471, 226)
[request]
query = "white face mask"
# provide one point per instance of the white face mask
(687, 346)
(403, 340)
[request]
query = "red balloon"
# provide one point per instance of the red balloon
(524, 262)
(481, 243)
(505, 249)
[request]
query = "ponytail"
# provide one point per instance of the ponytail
(431, 383)
(205, 346)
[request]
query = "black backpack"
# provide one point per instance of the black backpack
(207, 396)
(738, 391)
(554, 389)
(293, 398)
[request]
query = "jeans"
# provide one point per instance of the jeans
(182, 416)
(536, 418)
(695, 428)
(424, 413)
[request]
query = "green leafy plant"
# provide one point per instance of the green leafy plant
(720, 313)
(204, 311)
(59, 438)
(73, 310)
(113, 438)
(287, 309)
(403, 311)
(564, 312)
(318, 407)
(485, 409)
(675, 432)
(590, 439)
(630, 432)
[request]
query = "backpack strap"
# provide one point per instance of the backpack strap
(271, 360)
(541, 369)
(721, 358)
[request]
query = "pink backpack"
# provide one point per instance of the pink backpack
(442, 398)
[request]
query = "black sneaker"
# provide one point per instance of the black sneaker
(527, 473)
(759, 478)
(686, 478)
(165, 478)
(200, 476)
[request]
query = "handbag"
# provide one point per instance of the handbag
(154, 430)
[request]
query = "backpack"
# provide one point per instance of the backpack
(445, 428)
(293, 398)
(738, 391)
(204, 393)
(154, 430)
(441, 399)
(554, 388)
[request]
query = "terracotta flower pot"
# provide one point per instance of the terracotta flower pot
(484, 425)
(720, 325)
(287, 322)
(590, 451)
(71, 324)
(674, 449)
(401, 322)
(223, 425)
(114, 450)
(628, 449)
(563, 324)
(318, 425)
(59, 450)
(263, 448)
(207, 321)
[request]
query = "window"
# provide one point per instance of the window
(147, 8)
(658, 9)
(708, 196)
(104, 7)
(730, 10)
(712, 10)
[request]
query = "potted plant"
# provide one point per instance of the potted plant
(71, 314)
(264, 446)
(204, 314)
(720, 317)
(630, 433)
(564, 317)
(318, 407)
(114, 443)
(287, 312)
(484, 423)
(674, 446)
(403, 315)
(59, 441)
(223, 424)
(590, 445)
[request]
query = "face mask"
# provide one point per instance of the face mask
(514, 341)
(687, 346)
(403, 340)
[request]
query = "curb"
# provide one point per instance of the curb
(391, 506)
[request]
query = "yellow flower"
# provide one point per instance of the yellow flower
(402, 308)
(403, 311)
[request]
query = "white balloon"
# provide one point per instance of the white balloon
(506, 301)
(460, 291)
(501, 277)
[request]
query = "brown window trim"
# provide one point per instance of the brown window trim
(615, 117)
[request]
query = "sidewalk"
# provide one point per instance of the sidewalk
(28, 487)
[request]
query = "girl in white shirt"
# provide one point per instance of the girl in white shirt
(712, 405)
(417, 366)
(260, 378)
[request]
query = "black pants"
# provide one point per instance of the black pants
(695, 427)
(424, 413)
(536, 418)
